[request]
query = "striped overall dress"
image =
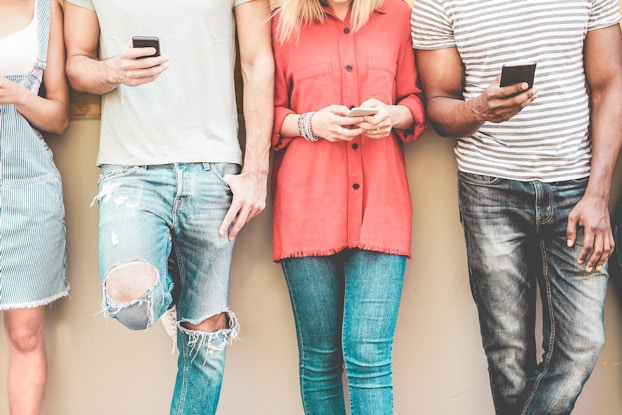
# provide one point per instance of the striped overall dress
(32, 224)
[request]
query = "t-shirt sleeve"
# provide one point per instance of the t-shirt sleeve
(604, 13)
(88, 4)
(431, 28)
(238, 2)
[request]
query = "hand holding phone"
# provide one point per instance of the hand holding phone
(361, 112)
(515, 74)
(147, 42)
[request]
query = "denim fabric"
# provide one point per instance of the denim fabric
(516, 239)
(168, 216)
(345, 308)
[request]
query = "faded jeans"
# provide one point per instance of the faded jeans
(345, 308)
(516, 239)
(166, 218)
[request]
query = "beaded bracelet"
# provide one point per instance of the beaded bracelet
(304, 126)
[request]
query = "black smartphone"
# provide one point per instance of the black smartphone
(514, 74)
(147, 42)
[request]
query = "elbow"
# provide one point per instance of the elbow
(60, 125)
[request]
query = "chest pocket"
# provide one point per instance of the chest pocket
(316, 83)
(380, 83)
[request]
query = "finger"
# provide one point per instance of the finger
(229, 218)
(571, 232)
(597, 258)
(588, 245)
(239, 223)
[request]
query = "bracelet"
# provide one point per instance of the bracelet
(304, 126)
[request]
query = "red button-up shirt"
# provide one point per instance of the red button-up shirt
(332, 196)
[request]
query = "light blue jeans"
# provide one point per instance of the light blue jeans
(167, 218)
(345, 308)
(516, 239)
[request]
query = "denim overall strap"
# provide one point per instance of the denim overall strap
(43, 8)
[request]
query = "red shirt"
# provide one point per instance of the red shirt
(332, 196)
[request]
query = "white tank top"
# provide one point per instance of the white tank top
(18, 51)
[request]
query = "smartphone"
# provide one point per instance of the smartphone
(147, 42)
(361, 112)
(514, 74)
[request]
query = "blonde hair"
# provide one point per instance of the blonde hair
(296, 13)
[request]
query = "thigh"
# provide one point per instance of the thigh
(499, 225)
(373, 287)
(574, 297)
(316, 291)
(203, 256)
(135, 206)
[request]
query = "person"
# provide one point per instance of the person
(171, 190)
(32, 235)
(342, 208)
(535, 170)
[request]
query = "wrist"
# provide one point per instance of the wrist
(305, 126)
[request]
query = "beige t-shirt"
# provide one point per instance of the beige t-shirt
(189, 113)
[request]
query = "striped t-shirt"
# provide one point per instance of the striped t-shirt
(549, 139)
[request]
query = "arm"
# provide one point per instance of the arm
(52, 112)
(441, 73)
(84, 69)
(250, 187)
(603, 69)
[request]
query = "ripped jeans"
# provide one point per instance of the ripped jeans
(163, 220)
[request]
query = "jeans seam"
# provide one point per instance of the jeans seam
(301, 348)
(551, 341)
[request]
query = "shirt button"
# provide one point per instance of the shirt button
(346, 30)
(355, 146)
(349, 68)
(355, 186)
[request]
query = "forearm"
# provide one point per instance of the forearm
(453, 117)
(258, 116)
(90, 75)
(50, 115)
(606, 131)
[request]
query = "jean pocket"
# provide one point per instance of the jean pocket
(478, 179)
(113, 171)
(221, 169)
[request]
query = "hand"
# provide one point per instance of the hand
(127, 69)
(379, 125)
(497, 104)
(593, 215)
(249, 199)
(330, 124)
(11, 92)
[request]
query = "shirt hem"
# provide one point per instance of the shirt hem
(332, 251)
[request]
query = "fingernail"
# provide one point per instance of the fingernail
(569, 243)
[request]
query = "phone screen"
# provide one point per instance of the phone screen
(514, 74)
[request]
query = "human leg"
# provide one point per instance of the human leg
(135, 206)
(373, 286)
(498, 220)
(573, 306)
(316, 291)
(203, 258)
(24, 328)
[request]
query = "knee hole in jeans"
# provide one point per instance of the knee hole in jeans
(130, 281)
(209, 325)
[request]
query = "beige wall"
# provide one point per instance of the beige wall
(97, 367)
